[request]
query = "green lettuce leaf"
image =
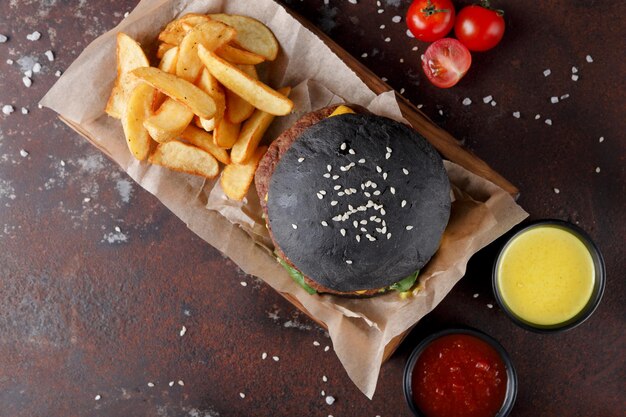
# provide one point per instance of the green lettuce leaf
(296, 276)
(406, 283)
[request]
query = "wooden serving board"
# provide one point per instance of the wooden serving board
(447, 145)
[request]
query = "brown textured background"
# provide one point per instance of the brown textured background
(89, 309)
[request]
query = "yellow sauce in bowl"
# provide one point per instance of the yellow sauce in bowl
(545, 275)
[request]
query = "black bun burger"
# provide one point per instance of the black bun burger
(356, 204)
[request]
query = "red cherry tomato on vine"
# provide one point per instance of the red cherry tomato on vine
(445, 62)
(479, 27)
(430, 20)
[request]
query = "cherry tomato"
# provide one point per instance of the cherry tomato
(445, 62)
(479, 27)
(430, 20)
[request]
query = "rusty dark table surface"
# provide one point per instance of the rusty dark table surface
(97, 278)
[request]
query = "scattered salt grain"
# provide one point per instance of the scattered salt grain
(487, 99)
(556, 190)
(294, 226)
(23, 153)
(37, 67)
(244, 283)
(35, 36)
(276, 358)
(323, 393)
(182, 332)
(150, 384)
(409, 34)
(396, 19)
(24, 110)
(352, 1)
(601, 139)
(300, 159)
(181, 383)
(409, 227)
(316, 343)
(57, 74)
(547, 72)
(387, 39)
(597, 170)
(7, 109)
(489, 305)
(554, 99)
(589, 59)
(414, 48)
(574, 77)
(27, 81)
(126, 14)
(467, 101)
(493, 103)
(97, 397)
(475, 295)
(380, 11)
(548, 122)
(28, 73)
(364, 55)
(10, 61)
(382, 27)
(574, 70)
(516, 114)
(171, 383)
(3, 38)
(537, 116)
(330, 400)
(86, 199)
(349, 262)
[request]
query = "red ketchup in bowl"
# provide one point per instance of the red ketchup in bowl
(459, 375)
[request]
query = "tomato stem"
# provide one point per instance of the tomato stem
(430, 9)
(487, 5)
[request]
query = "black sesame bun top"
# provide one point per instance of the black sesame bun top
(359, 202)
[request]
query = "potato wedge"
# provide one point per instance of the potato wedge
(169, 121)
(138, 109)
(238, 109)
(239, 56)
(185, 158)
(254, 92)
(184, 92)
(212, 87)
(225, 133)
(251, 133)
(176, 30)
(129, 56)
(211, 35)
(252, 35)
(163, 48)
(236, 179)
(203, 140)
(168, 61)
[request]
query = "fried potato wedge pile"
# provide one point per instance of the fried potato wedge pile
(203, 105)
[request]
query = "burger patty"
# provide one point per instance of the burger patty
(266, 168)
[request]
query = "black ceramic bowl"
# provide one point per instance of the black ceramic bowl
(598, 286)
(511, 374)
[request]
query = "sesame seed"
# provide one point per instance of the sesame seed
(546, 72)
(377, 192)
(324, 379)
(343, 232)
(487, 99)
(409, 34)
(467, 101)
(363, 229)
(564, 96)
(384, 230)
(181, 383)
(276, 358)
(182, 332)
(327, 175)
(384, 175)
(352, 1)
(388, 235)
(337, 187)
(537, 116)
(409, 227)
(363, 222)
(396, 19)
(362, 161)
(23, 153)
(264, 355)
(329, 168)
(388, 149)
(393, 190)
(387, 155)
(589, 59)
(150, 384)
(335, 177)
(351, 152)
(406, 171)
(597, 170)
(489, 305)
(327, 348)
(350, 207)
(377, 220)
(556, 190)
(337, 218)
(379, 169)
(320, 196)
(361, 208)
(516, 114)
(382, 211)
(324, 223)
(403, 203)
(323, 393)
(373, 185)
(348, 261)
(343, 146)
(334, 203)
(300, 159)
(294, 226)
(475, 295)
(242, 395)
(364, 55)
(366, 194)
(355, 223)
(97, 397)
(548, 122)
(358, 238)
(316, 343)
(341, 193)
(601, 139)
